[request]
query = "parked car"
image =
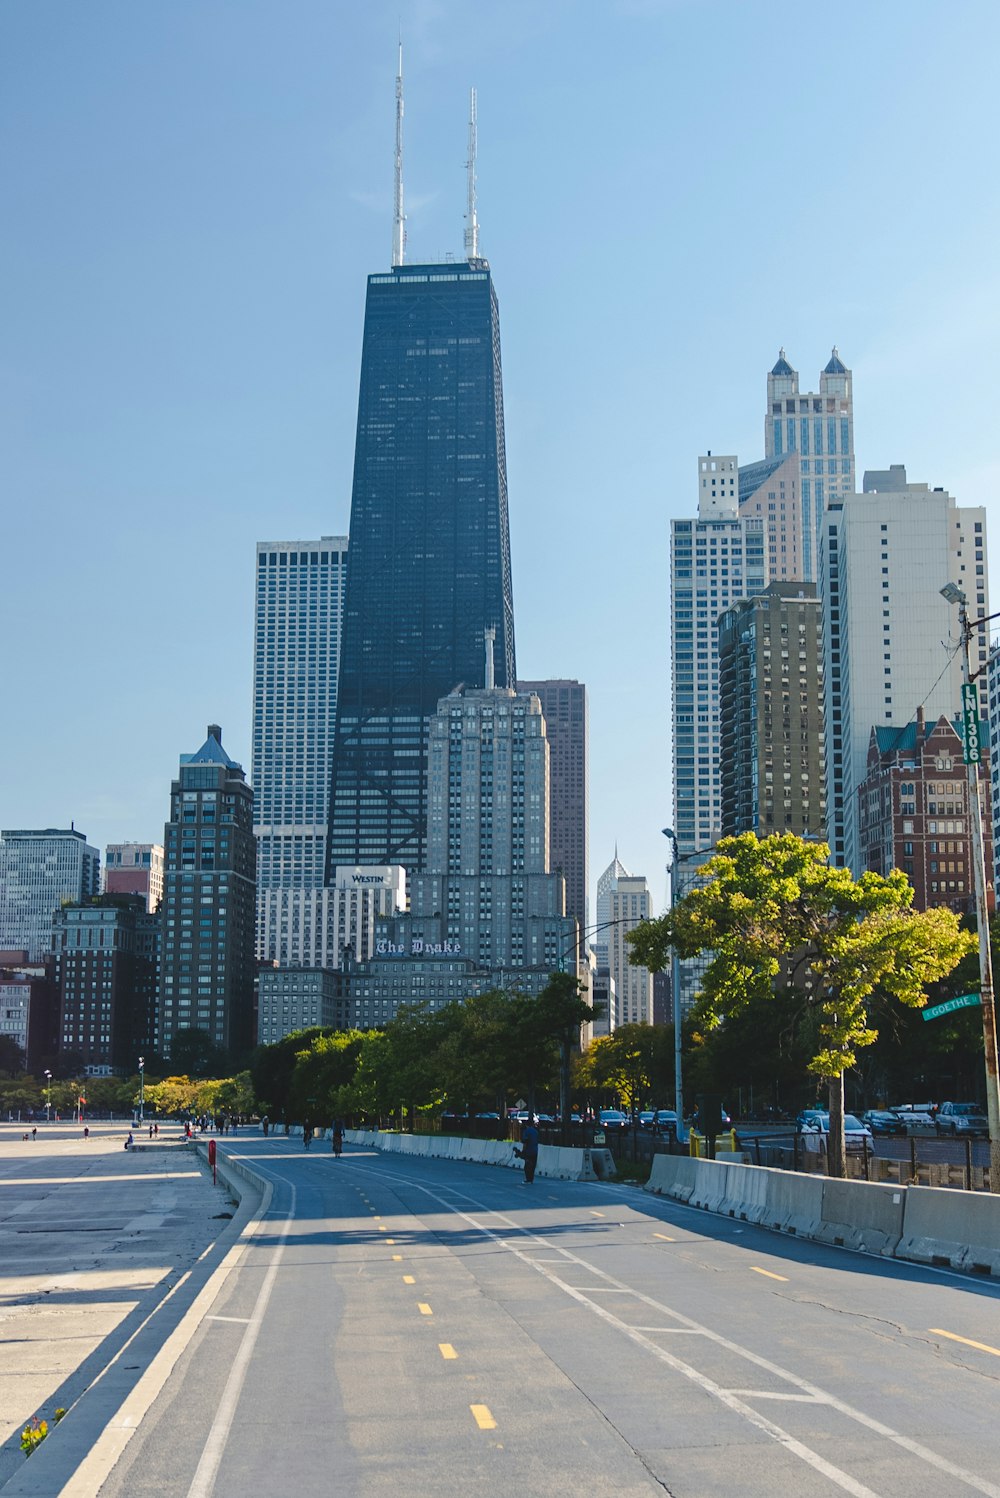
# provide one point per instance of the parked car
(916, 1116)
(666, 1120)
(613, 1118)
(961, 1118)
(647, 1118)
(857, 1136)
(883, 1121)
(808, 1116)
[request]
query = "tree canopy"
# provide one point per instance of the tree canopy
(776, 917)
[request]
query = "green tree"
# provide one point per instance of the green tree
(625, 1063)
(775, 917)
(322, 1070)
(272, 1068)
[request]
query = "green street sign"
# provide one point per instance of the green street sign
(964, 1001)
(970, 715)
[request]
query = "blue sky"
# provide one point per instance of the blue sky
(194, 193)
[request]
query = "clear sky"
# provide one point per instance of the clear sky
(193, 194)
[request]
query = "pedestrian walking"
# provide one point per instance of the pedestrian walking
(307, 1135)
(86, 1132)
(529, 1149)
(337, 1136)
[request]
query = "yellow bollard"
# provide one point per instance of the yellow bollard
(695, 1142)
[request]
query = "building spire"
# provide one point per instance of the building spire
(471, 221)
(399, 218)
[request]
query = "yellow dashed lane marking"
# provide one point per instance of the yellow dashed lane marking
(408, 1279)
(424, 1308)
(666, 1237)
(769, 1274)
(447, 1351)
(382, 1228)
(483, 1418)
(595, 1213)
(967, 1341)
(392, 1240)
(397, 1258)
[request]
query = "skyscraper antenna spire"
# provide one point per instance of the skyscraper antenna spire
(471, 222)
(399, 218)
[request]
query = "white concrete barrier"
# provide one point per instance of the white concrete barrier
(672, 1175)
(960, 1228)
(794, 1202)
(862, 1215)
(711, 1185)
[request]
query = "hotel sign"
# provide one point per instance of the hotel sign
(418, 948)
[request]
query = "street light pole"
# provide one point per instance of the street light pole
(675, 991)
(142, 1089)
(48, 1096)
(972, 754)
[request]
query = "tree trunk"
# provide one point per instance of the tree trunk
(836, 1146)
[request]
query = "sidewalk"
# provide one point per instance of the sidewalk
(91, 1238)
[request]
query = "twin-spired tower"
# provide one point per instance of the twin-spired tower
(429, 562)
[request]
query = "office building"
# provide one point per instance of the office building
(298, 998)
(105, 967)
(771, 713)
(39, 871)
(606, 886)
(207, 967)
(633, 985)
(430, 550)
(488, 893)
(770, 492)
(914, 813)
(299, 611)
(818, 428)
(134, 869)
(317, 927)
(716, 560)
(564, 707)
(486, 913)
(889, 638)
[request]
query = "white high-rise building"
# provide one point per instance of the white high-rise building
(40, 871)
(606, 885)
(632, 985)
(818, 428)
(715, 560)
(889, 638)
(299, 610)
(319, 927)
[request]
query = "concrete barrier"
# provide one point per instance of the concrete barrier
(958, 1228)
(862, 1215)
(711, 1186)
(747, 1193)
(672, 1175)
(794, 1203)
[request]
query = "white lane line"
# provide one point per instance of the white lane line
(788, 1398)
(215, 1445)
(243, 1320)
(821, 1396)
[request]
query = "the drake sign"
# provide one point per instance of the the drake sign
(418, 948)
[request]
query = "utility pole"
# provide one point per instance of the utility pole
(972, 756)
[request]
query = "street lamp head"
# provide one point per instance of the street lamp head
(668, 832)
(952, 593)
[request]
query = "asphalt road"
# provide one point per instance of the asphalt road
(437, 1328)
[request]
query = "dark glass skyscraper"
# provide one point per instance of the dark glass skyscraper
(429, 562)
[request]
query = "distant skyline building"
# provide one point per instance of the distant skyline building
(105, 967)
(606, 886)
(207, 966)
(299, 614)
(631, 903)
(889, 638)
(771, 713)
(40, 869)
(715, 560)
(430, 548)
(818, 428)
(134, 869)
(564, 706)
(993, 699)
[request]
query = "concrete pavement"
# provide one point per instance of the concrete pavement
(92, 1239)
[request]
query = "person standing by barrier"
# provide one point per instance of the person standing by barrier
(529, 1149)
